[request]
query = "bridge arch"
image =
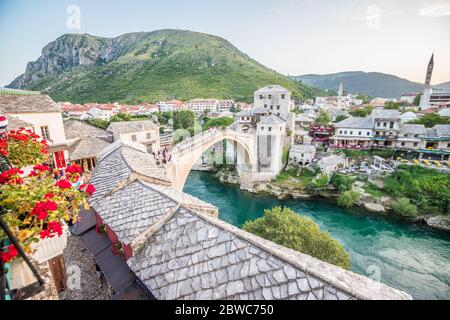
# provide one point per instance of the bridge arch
(187, 153)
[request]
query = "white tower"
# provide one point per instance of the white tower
(427, 91)
(341, 90)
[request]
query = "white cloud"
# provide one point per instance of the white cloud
(437, 11)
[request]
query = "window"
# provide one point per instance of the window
(282, 96)
(270, 128)
(359, 133)
(384, 124)
(415, 144)
(351, 132)
(378, 124)
(340, 131)
(149, 135)
(278, 107)
(271, 107)
(391, 125)
(265, 106)
(133, 137)
(368, 133)
(403, 144)
(270, 96)
(261, 97)
(262, 128)
(45, 134)
(448, 145)
(416, 136)
(345, 132)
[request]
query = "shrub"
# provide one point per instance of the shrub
(285, 227)
(405, 208)
(342, 182)
(348, 199)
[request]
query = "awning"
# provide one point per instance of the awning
(95, 242)
(87, 222)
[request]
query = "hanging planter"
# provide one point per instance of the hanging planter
(101, 228)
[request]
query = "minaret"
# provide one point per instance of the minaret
(427, 91)
(341, 90)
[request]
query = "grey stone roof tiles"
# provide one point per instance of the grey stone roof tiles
(355, 122)
(15, 103)
(272, 120)
(86, 148)
(131, 126)
(385, 114)
(442, 130)
(78, 129)
(130, 210)
(413, 129)
(191, 258)
(15, 123)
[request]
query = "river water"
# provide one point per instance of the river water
(409, 257)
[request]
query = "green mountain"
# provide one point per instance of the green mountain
(149, 66)
(374, 84)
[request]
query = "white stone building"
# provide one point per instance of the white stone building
(275, 99)
(302, 154)
(201, 105)
(145, 133)
(44, 115)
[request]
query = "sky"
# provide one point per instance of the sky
(293, 37)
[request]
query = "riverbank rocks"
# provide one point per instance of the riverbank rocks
(439, 222)
(374, 207)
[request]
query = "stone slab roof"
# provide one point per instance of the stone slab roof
(413, 129)
(78, 129)
(130, 210)
(85, 148)
(272, 120)
(14, 103)
(131, 126)
(355, 123)
(303, 148)
(193, 256)
(303, 118)
(442, 130)
(385, 114)
(120, 161)
(272, 88)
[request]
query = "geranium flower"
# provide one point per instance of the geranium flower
(88, 188)
(11, 176)
(53, 228)
(7, 256)
(63, 184)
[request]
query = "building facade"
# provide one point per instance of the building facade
(145, 133)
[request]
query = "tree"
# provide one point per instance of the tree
(391, 105)
(431, 119)
(342, 182)
(340, 118)
(323, 118)
(416, 101)
(362, 112)
(284, 227)
(405, 208)
(221, 122)
(183, 119)
(318, 184)
(348, 198)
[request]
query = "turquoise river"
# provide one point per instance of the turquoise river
(409, 257)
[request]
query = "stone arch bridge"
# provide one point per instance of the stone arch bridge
(187, 153)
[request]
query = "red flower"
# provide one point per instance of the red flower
(74, 169)
(33, 174)
(42, 208)
(88, 188)
(52, 229)
(41, 167)
(9, 255)
(11, 176)
(63, 184)
(49, 196)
